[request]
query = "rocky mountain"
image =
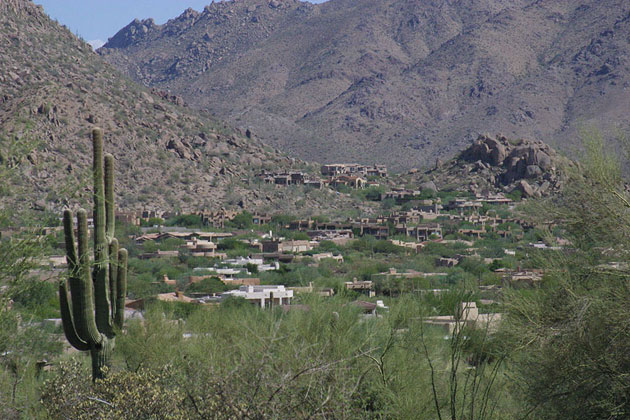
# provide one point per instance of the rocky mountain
(399, 82)
(54, 89)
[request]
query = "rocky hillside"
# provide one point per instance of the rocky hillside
(399, 82)
(54, 89)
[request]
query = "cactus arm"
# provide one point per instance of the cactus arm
(81, 289)
(101, 245)
(110, 215)
(71, 250)
(99, 196)
(67, 321)
(113, 275)
(121, 288)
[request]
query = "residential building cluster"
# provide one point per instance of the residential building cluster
(334, 175)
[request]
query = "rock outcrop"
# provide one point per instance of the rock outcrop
(499, 164)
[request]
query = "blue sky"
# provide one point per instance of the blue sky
(97, 20)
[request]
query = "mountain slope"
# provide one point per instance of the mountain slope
(399, 82)
(54, 89)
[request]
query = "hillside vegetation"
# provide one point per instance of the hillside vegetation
(55, 89)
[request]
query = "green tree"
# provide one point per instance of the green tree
(574, 358)
(242, 220)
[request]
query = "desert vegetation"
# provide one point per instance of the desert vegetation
(214, 277)
(559, 351)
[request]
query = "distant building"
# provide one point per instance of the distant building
(324, 292)
(467, 314)
(400, 195)
(287, 246)
(327, 255)
(337, 169)
(365, 286)
(461, 205)
(422, 232)
(351, 181)
(262, 295)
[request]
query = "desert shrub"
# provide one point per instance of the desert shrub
(143, 394)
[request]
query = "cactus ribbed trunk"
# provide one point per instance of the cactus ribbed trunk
(96, 305)
(101, 357)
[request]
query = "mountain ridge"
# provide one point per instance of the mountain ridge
(55, 89)
(391, 81)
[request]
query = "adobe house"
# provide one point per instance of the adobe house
(168, 281)
(340, 237)
(336, 169)
(400, 195)
(421, 232)
(466, 315)
(159, 254)
(327, 255)
(429, 206)
(369, 309)
(314, 183)
(355, 182)
(324, 292)
(378, 231)
(175, 297)
(301, 224)
(392, 273)
(493, 198)
(201, 248)
(463, 205)
(415, 246)
(275, 256)
(217, 218)
(475, 233)
(365, 286)
(333, 226)
(261, 219)
(128, 217)
(522, 278)
(446, 262)
(379, 171)
(407, 217)
(283, 178)
(252, 281)
(286, 246)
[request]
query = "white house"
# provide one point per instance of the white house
(262, 295)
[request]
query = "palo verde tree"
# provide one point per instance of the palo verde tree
(572, 358)
(95, 308)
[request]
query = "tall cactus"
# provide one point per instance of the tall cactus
(96, 307)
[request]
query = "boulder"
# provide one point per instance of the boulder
(543, 160)
(525, 189)
(515, 170)
(497, 151)
(533, 171)
(429, 185)
(178, 147)
(487, 150)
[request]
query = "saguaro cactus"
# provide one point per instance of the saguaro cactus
(96, 307)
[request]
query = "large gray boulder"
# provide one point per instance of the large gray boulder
(526, 190)
(429, 185)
